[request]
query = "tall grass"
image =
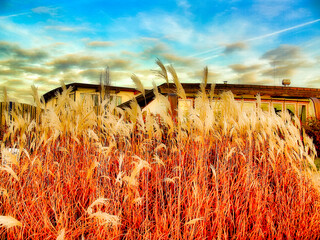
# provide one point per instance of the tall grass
(215, 172)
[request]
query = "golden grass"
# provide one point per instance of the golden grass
(217, 173)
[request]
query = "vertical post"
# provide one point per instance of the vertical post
(316, 104)
(173, 100)
(10, 110)
(1, 114)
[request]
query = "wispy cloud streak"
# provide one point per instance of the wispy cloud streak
(283, 30)
(254, 38)
(14, 15)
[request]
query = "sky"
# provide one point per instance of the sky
(44, 42)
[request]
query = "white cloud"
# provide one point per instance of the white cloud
(45, 10)
(272, 8)
(185, 6)
(63, 28)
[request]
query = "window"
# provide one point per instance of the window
(248, 106)
(72, 96)
(303, 113)
(116, 98)
(265, 107)
(94, 97)
(277, 107)
(291, 108)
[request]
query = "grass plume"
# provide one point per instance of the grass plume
(220, 172)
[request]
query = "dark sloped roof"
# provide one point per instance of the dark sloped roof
(142, 101)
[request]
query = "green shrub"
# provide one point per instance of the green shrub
(312, 127)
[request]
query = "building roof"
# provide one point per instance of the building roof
(245, 89)
(75, 86)
(236, 89)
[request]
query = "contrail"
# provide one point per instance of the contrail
(259, 37)
(283, 30)
(13, 15)
(207, 58)
(208, 51)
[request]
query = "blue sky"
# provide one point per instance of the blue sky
(246, 42)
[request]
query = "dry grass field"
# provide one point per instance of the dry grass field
(215, 172)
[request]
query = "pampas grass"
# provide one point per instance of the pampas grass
(138, 84)
(180, 91)
(61, 235)
(219, 172)
(162, 73)
(9, 222)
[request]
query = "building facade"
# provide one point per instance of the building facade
(302, 102)
(81, 90)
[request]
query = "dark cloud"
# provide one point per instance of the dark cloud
(13, 63)
(154, 51)
(83, 62)
(285, 61)
(32, 54)
(178, 60)
(198, 75)
(10, 72)
(44, 81)
(99, 44)
(91, 73)
(248, 78)
(37, 70)
(118, 64)
(234, 47)
(285, 70)
(70, 77)
(118, 76)
(21, 94)
(314, 83)
(8, 49)
(240, 68)
(252, 78)
(14, 83)
(283, 53)
(74, 60)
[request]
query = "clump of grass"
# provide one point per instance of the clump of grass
(215, 173)
(312, 128)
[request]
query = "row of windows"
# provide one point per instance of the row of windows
(94, 96)
(299, 109)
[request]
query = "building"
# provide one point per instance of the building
(302, 102)
(24, 110)
(80, 90)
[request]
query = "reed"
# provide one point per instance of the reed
(217, 172)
